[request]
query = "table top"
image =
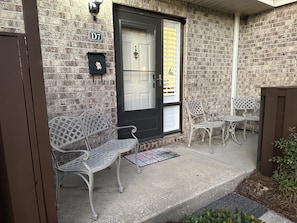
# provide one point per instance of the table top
(233, 118)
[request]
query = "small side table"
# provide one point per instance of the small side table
(231, 123)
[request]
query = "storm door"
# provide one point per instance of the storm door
(139, 73)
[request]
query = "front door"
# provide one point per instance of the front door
(139, 73)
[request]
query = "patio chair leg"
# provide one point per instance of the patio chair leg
(203, 136)
(244, 130)
(209, 140)
(189, 144)
(254, 125)
(223, 135)
(118, 164)
(91, 186)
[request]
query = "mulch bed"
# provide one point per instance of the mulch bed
(265, 191)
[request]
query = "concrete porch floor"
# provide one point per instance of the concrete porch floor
(163, 191)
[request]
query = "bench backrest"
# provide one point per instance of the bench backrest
(65, 130)
(93, 122)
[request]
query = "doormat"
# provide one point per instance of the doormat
(151, 156)
(233, 201)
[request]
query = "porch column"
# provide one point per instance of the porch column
(235, 59)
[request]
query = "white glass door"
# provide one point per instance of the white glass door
(139, 69)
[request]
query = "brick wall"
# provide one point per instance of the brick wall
(209, 58)
(64, 28)
(11, 16)
(64, 31)
(267, 50)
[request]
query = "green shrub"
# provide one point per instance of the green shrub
(286, 172)
(222, 215)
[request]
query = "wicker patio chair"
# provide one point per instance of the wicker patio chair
(200, 119)
(246, 107)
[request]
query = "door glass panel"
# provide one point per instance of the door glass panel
(171, 118)
(171, 61)
(171, 75)
(138, 47)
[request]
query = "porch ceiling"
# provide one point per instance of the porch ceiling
(244, 7)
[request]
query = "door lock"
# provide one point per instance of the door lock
(160, 80)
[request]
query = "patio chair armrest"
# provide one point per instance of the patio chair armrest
(206, 112)
(257, 108)
(211, 116)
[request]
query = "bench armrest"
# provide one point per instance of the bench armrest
(133, 129)
(86, 156)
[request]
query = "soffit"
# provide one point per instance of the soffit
(244, 7)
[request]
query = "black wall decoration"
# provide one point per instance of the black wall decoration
(97, 63)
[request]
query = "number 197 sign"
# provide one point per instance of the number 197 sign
(95, 36)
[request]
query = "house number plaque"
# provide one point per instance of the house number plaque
(95, 36)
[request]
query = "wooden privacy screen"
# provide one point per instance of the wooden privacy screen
(278, 113)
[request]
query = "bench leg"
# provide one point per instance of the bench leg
(118, 164)
(91, 186)
(244, 130)
(136, 160)
(58, 187)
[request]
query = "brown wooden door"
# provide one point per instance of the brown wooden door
(22, 187)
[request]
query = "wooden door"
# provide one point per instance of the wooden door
(27, 191)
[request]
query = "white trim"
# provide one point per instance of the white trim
(277, 3)
(235, 59)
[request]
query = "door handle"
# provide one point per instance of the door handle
(160, 80)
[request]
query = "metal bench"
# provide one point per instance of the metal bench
(73, 153)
